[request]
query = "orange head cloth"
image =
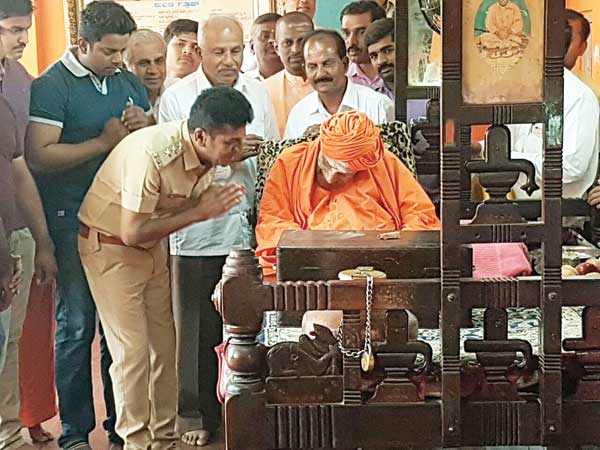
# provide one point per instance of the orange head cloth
(353, 138)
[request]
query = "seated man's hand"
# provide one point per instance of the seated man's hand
(594, 197)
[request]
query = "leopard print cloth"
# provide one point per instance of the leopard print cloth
(395, 135)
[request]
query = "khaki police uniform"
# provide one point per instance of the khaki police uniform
(152, 171)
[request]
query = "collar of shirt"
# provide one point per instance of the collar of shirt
(349, 101)
(190, 157)
(255, 74)
(73, 65)
(356, 74)
(203, 83)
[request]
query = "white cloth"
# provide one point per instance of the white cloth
(249, 62)
(581, 142)
(254, 74)
(217, 237)
(156, 106)
(310, 110)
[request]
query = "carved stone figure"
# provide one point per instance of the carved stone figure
(307, 357)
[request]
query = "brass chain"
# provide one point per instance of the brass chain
(367, 347)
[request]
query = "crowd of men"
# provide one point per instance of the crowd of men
(133, 140)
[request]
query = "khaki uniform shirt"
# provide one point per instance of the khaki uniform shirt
(152, 171)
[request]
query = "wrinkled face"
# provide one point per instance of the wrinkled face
(263, 44)
(14, 33)
(324, 68)
(335, 174)
(383, 57)
(220, 147)
(289, 38)
(222, 55)
(304, 6)
(577, 47)
(148, 62)
(353, 30)
(105, 56)
(183, 55)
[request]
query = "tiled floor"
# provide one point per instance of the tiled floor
(98, 439)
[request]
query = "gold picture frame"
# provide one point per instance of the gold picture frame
(503, 65)
(72, 10)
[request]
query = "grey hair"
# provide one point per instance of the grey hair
(217, 17)
(142, 36)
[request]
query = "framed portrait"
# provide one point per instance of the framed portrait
(503, 51)
(424, 42)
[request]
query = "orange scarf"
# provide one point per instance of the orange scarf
(350, 137)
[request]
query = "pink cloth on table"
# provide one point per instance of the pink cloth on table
(500, 260)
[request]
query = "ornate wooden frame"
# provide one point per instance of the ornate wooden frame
(456, 116)
(314, 418)
(72, 10)
(403, 90)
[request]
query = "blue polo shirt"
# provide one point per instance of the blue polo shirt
(70, 97)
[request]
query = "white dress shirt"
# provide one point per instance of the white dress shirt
(176, 102)
(580, 141)
(156, 106)
(217, 237)
(310, 110)
(254, 74)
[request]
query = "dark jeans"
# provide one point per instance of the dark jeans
(199, 330)
(75, 331)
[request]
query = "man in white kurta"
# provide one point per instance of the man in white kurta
(580, 141)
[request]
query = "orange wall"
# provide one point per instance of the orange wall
(47, 37)
(593, 8)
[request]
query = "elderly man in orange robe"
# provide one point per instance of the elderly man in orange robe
(344, 180)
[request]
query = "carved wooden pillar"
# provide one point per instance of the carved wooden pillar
(241, 298)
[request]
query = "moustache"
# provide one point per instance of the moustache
(324, 80)
(385, 66)
(353, 48)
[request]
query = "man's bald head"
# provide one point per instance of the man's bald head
(146, 57)
(216, 26)
(295, 18)
(291, 30)
(221, 41)
(140, 38)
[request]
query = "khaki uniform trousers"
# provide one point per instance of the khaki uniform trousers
(131, 290)
(21, 244)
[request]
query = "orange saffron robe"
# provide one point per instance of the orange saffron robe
(386, 197)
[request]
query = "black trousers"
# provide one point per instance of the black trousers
(199, 329)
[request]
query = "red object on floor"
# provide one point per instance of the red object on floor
(36, 354)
